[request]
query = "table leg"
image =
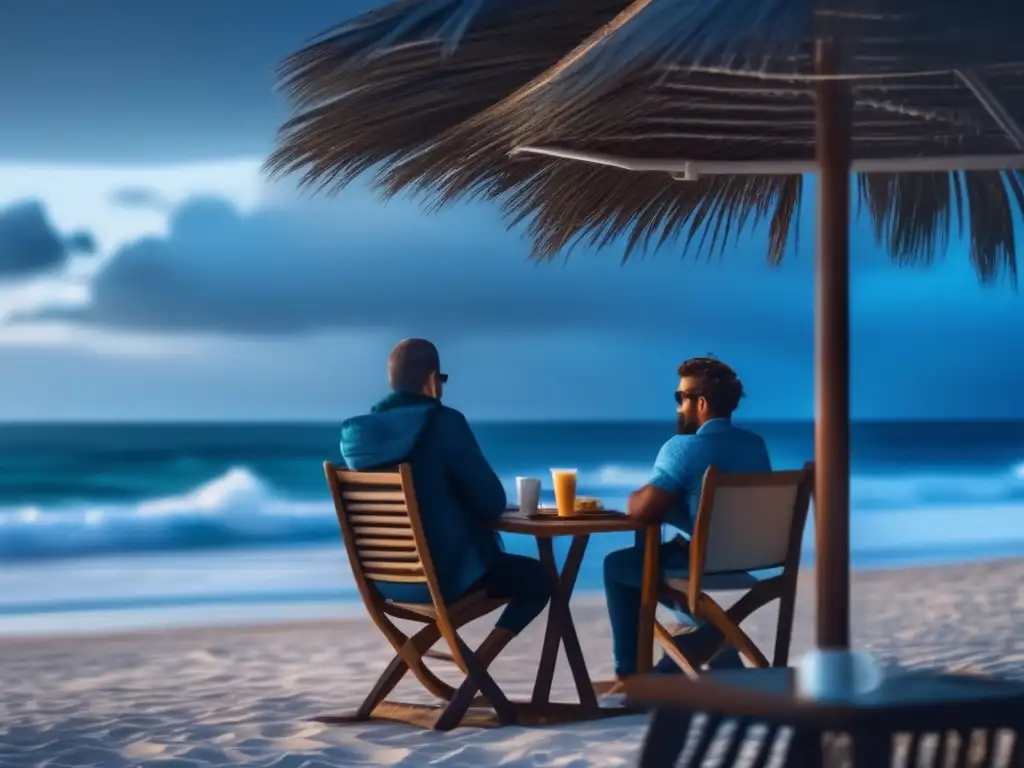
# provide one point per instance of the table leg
(649, 598)
(560, 628)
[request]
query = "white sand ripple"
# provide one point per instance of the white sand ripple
(230, 696)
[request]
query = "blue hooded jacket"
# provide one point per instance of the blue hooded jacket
(459, 495)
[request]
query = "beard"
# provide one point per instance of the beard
(685, 426)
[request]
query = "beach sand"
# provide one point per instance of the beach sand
(244, 695)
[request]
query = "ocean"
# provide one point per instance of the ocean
(104, 526)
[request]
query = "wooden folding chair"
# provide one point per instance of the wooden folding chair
(745, 523)
(380, 523)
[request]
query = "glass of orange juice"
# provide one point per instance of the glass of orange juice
(564, 481)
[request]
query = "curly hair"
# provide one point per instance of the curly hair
(718, 383)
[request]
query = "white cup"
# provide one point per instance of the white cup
(528, 489)
(837, 675)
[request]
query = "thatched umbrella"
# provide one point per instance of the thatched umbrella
(736, 98)
(742, 88)
(389, 90)
(381, 87)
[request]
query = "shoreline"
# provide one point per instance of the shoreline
(327, 613)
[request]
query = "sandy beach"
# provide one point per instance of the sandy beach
(244, 695)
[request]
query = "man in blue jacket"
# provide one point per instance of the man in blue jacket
(708, 393)
(459, 494)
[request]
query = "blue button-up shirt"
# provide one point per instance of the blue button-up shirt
(683, 460)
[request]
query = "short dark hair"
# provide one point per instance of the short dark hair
(719, 384)
(410, 364)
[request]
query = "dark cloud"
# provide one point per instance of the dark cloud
(354, 263)
(29, 244)
(568, 338)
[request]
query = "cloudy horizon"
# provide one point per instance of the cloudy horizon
(149, 271)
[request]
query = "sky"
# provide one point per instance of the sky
(149, 271)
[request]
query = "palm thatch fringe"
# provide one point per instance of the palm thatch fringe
(433, 94)
(604, 205)
(382, 87)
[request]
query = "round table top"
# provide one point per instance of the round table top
(580, 524)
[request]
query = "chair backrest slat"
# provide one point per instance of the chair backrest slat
(389, 555)
(389, 571)
(380, 523)
(389, 479)
(392, 497)
(373, 511)
(362, 507)
(394, 533)
(393, 521)
(746, 522)
(398, 545)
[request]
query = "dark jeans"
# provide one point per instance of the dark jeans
(519, 579)
(623, 577)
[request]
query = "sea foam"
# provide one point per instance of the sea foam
(240, 509)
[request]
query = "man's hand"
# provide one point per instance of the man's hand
(649, 504)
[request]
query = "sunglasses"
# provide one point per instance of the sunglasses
(687, 394)
(443, 377)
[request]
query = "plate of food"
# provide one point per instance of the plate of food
(588, 504)
(585, 505)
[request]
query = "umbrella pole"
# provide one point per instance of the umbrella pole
(832, 355)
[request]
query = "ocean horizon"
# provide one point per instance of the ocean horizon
(104, 522)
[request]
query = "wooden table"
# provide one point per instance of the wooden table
(915, 704)
(560, 627)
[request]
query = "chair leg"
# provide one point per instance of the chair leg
(502, 706)
(413, 650)
(477, 679)
(733, 634)
(666, 641)
(665, 739)
(409, 657)
(385, 684)
(784, 628)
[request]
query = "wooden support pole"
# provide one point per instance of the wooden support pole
(832, 355)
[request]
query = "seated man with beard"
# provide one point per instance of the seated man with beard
(709, 391)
